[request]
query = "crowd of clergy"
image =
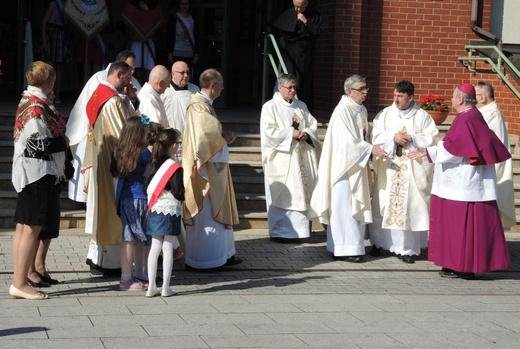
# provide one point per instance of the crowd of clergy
(396, 181)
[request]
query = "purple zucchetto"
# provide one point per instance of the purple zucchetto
(467, 89)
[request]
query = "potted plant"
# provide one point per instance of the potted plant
(436, 107)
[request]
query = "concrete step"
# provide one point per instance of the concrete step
(8, 200)
(251, 201)
(245, 153)
(71, 219)
(6, 132)
(517, 191)
(5, 181)
(248, 184)
(6, 148)
(6, 164)
(246, 140)
(245, 168)
(7, 119)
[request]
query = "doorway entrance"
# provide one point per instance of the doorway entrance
(230, 38)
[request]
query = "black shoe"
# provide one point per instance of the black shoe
(96, 270)
(375, 251)
(354, 259)
(233, 261)
(408, 259)
(48, 280)
(284, 240)
(350, 259)
(448, 273)
(38, 284)
(208, 270)
(466, 276)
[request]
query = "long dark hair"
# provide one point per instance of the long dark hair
(134, 136)
(165, 139)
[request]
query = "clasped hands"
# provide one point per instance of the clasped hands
(402, 139)
(420, 152)
(300, 135)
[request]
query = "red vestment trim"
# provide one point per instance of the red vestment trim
(102, 94)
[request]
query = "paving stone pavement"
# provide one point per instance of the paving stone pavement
(281, 296)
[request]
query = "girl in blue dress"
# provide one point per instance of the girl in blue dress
(165, 191)
(131, 157)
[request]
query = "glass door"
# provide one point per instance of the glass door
(213, 23)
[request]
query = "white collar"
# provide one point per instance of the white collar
(36, 91)
(205, 96)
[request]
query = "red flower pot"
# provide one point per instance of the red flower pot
(438, 116)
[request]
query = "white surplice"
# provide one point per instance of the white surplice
(105, 256)
(175, 104)
(77, 131)
(341, 198)
(400, 204)
(209, 244)
(152, 105)
(504, 170)
(290, 166)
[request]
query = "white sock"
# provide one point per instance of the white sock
(155, 249)
(168, 247)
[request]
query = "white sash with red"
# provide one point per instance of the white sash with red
(159, 181)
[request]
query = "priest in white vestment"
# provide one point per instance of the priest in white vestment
(290, 155)
(210, 210)
(106, 112)
(102, 257)
(401, 198)
(493, 115)
(341, 198)
(150, 100)
(177, 96)
(77, 122)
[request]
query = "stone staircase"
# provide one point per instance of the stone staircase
(73, 213)
(245, 164)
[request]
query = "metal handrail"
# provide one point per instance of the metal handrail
(501, 61)
(269, 38)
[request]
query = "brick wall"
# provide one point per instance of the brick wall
(388, 40)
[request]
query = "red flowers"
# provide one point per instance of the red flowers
(433, 102)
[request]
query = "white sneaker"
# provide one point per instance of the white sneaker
(152, 292)
(167, 292)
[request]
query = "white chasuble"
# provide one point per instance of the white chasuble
(504, 170)
(290, 166)
(402, 187)
(344, 157)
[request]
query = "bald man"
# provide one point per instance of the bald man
(176, 98)
(151, 103)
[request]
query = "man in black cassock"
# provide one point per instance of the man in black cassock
(296, 29)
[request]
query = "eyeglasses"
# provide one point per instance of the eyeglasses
(290, 88)
(362, 89)
(185, 72)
